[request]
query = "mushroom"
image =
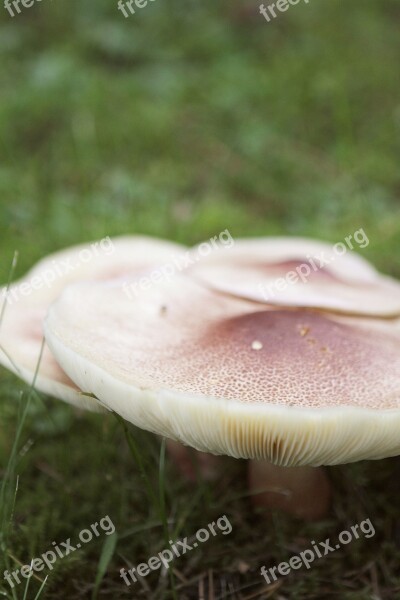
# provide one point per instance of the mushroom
(297, 388)
(193, 464)
(301, 491)
(28, 299)
(326, 277)
(302, 273)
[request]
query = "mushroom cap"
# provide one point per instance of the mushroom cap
(227, 376)
(21, 333)
(299, 272)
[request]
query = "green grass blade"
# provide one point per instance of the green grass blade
(105, 557)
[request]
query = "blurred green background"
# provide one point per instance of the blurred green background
(181, 121)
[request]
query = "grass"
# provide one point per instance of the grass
(180, 122)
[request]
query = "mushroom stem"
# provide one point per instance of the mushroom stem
(192, 463)
(304, 492)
